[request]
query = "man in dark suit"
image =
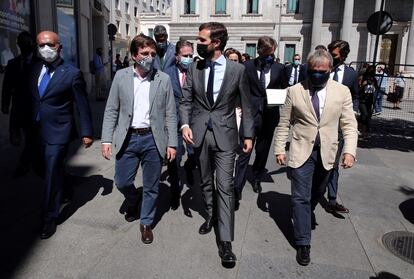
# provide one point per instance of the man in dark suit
(294, 72)
(184, 58)
(55, 86)
(341, 73)
(165, 50)
(16, 92)
(207, 113)
(262, 73)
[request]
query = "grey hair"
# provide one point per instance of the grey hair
(160, 30)
(318, 57)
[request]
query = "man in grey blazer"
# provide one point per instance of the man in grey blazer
(140, 123)
(207, 114)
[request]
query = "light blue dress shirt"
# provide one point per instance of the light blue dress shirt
(219, 69)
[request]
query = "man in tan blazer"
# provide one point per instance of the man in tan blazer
(314, 109)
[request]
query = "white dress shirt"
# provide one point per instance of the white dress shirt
(141, 101)
(340, 71)
(292, 80)
(322, 97)
(267, 76)
(219, 69)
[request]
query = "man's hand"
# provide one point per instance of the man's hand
(348, 161)
(281, 159)
(247, 145)
(188, 135)
(106, 151)
(87, 141)
(171, 152)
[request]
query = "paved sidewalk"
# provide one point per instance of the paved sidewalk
(95, 241)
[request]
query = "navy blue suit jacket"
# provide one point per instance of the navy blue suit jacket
(350, 80)
(169, 58)
(55, 107)
(172, 72)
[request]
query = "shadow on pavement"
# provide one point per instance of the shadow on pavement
(385, 275)
(407, 207)
(279, 208)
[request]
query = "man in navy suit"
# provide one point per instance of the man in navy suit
(341, 73)
(55, 86)
(178, 73)
(294, 72)
(262, 73)
(165, 50)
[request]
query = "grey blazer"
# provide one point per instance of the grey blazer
(196, 111)
(120, 108)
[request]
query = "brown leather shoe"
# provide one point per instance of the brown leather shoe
(146, 234)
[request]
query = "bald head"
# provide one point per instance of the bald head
(48, 45)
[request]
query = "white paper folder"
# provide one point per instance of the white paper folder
(276, 97)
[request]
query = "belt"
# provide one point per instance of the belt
(140, 131)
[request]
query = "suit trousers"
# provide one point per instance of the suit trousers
(308, 183)
(173, 168)
(218, 198)
(50, 168)
(240, 175)
(139, 149)
(264, 140)
(334, 178)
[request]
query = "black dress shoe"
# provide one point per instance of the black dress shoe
(257, 187)
(131, 214)
(206, 226)
(303, 255)
(49, 229)
(175, 202)
(225, 252)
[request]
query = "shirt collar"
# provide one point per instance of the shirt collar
(219, 61)
(142, 78)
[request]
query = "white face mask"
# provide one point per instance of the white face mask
(47, 53)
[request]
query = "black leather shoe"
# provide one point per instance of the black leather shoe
(206, 227)
(257, 187)
(49, 229)
(175, 202)
(225, 252)
(131, 214)
(303, 255)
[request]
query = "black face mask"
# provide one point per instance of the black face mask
(318, 79)
(161, 48)
(203, 51)
(336, 61)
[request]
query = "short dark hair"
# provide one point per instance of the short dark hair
(265, 43)
(182, 43)
(141, 41)
(160, 30)
(321, 47)
(218, 32)
(24, 36)
(296, 54)
(343, 48)
(246, 56)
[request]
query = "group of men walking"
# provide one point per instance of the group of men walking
(165, 99)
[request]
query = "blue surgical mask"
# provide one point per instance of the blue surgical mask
(267, 59)
(296, 62)
(185, 62)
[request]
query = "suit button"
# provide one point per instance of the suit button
(129, 115)
(313, 142)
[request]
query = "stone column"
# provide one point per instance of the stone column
(346, 32)
(317, 23)
(410, 46)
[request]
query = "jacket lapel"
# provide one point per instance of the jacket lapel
(154, 83)
(128, 84)
(227, 81)
(58, 74)
(37, 68)
(328, 99)
(199, 81)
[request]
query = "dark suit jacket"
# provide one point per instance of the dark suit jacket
(55, 108)
(169, 58)
(195, 109)
(16, 91)
(288, 72)
(172, 72)
(257, 93)
(350, 80)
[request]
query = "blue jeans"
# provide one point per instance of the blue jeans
(140, 149)
(308, 184)
(378, 95)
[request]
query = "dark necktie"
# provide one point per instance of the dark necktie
(44, 82)
(210, 84)
(315, 104)
(296, 75)
(335, 76)
(263, 78)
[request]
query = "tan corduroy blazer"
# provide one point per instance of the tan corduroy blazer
(298, 113)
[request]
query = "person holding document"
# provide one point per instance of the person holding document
(262, 73)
